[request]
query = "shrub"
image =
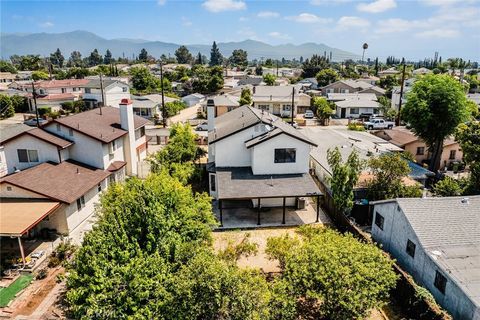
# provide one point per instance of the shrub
(41, 274)
(42, 111)
(355, 126)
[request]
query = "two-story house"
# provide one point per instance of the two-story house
(351, 86)
(255, 156)
(277, 100)
(114, 91)
(437, 241)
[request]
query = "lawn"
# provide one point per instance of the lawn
(7, 294)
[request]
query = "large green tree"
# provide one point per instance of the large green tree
(389, 171)
(216, 58)
(239, 58)
(57, 58)
(75, 59)
(436, 105)
(326, 77)
(95, 58)
(313, 65)
(245, 97)
(323, 108)
(468, 136)
(183, 55)
(6, 66)
(144, 81)
(107, 59)
(327, 275)
(7, 108)
(143, 56)
(269, 79)
(344, 177)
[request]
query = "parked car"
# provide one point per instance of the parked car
(202, 127)
(308, 114)
(378, 123)
(33, 122)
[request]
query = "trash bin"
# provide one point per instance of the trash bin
(301, 203)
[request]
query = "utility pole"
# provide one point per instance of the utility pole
(293, 103)
(103, 94)
(401, 94)
(34, 94)
(277, 68)
(164, 112)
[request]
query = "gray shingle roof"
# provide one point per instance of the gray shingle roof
(246, 116)
(241, 183)
(443, 221)
(95, 83)
(7, 132)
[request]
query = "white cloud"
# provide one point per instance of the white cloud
(268, 14)
(352, 22)
(438, 33)
(394, 25)
(278, 35)
(377, 6)
(46, 24)
(186, 22)
(243, 19)
(307, 18)
(224, 5)
(161, 2)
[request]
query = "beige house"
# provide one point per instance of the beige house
(352, 86)
(406, 140)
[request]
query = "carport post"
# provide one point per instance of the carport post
(258, 212)
(21, 251)
(221, 212)
(318, 209)
(283, 218)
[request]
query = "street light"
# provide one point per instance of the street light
(365, 47)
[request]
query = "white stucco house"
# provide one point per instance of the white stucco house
(255, 156)
(436, 240)
(114, 92)
(277, 100)
(193, 99)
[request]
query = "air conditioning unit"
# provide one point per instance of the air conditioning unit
(301, 203)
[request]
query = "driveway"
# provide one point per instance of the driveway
(185, 114)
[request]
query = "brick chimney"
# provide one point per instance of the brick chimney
(127, 124)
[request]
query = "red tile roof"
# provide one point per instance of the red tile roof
(60, 83)
(65, 182)
(104, 127)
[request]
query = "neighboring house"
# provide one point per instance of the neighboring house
(251, 80)
(218, 105)
(436, 240)
(193, 99)
(334, 97)
(255, 156)
(406, 140)
(421, 71)
(309, 83)
(365, 144)
(278, 100)
(353, 108)
(7, 132)
(369, 79)
(113, 90)
(149, 105)
(389, 72)
(5, 79)
(351, 86)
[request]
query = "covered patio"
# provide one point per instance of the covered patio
(275, 199)
(18, 218)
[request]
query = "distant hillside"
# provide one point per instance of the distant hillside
(83, 41)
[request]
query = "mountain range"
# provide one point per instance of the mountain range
(84, 41)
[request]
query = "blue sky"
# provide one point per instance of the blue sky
(411, 28)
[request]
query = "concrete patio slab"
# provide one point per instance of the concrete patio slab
(246, 218)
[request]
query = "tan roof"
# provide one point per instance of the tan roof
(65, 182)
(42, 135)
(401, 137)
(20, 215)
(104, 127)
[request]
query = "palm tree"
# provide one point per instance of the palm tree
(365, 47)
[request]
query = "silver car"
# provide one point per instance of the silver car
(308, 114)
(202, 127)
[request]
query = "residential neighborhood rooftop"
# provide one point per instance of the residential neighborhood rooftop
(65, 182)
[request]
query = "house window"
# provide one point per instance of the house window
(344, 90)
(213, 187)
(452, 154)
(124, 89)
(75, 89)
(88, 90)
(286, 107)
(70, 132)
(139, 133)
(410, 248)
(440, 282)
(379, 220)
(353, 110)
(80, 203)
(9, 188)
(99, 187)
(264, 107)
(25, 155)
(112, 146)
(420, 151)
(59, 128)
(287, 155)
(64, 90)
(330, 90)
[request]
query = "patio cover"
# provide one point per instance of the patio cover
(17, 216)
(240, 183)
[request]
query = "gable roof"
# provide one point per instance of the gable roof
(44, 136)
(104, 127)
(376, 89)
(246, 117)
(351, 96)
(7, 132)
(357, 103)
(65, 182)
(46, 84)
(95, 83)
(224, 100)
